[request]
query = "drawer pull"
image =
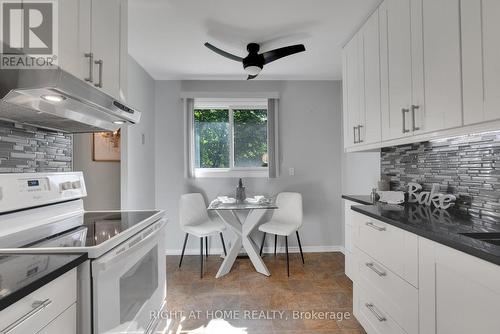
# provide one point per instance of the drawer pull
(372, 267)
(378, 228)
(375, 312)
(37, 307)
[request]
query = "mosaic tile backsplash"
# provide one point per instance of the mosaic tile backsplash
(25, 149)
(467, 166)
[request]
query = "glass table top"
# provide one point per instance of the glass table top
(217, 205)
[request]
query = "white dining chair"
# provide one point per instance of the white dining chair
(194, 219)
(284, 221)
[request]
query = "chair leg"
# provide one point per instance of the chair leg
(206, 247)
(223, 244)
(262, 245)
(201, 257)
(287, 260)
(183, 249)
(300, 247)
(275, 243)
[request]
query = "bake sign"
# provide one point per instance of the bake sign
(433, 197)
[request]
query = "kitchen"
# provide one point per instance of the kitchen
(343, 180)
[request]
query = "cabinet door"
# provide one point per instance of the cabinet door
(74, 37)
(399, 67)
(491, 28)
(458, 293)
(106, 21)
(441, 47)
(352, 92)
(472, 61)
(480, 54)
(370, 132)
(70, 58)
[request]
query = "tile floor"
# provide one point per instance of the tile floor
(248, 299)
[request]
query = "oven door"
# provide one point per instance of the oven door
(129, 283)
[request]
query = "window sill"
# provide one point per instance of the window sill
(233, 173)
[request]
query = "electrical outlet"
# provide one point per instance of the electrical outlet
(291, 171)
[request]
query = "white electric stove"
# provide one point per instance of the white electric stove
(124, 279)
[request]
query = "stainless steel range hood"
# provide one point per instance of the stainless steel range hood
(56, 100)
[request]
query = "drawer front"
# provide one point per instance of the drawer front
(35, 311)
(395, 248)
(395, 295)
(371, 315)
(64, 323)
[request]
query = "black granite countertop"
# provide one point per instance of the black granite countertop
(361, 199)
(443, 226)
(21, 274)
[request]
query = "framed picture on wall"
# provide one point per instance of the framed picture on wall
(106, 146)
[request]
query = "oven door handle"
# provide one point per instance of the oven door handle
(110, 259)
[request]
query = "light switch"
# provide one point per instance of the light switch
(143, 139)
(291, 171)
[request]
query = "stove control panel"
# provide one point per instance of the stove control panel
(19, 191)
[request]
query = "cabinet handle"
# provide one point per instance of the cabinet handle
(375, 312)
(99, 63)
(413, 108)
(359, 133)
(404, 111)
(90, 78)
(372, 267)
(378, 228)
(37, 307)
(354, 130)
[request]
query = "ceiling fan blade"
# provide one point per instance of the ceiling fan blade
(273, 55)
(223, 53)
(250, 77)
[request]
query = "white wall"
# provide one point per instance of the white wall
(101, 178)
(310, 141)
(138, 142)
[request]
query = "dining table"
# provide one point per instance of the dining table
(242, 228)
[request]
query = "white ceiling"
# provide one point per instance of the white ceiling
(166, 36)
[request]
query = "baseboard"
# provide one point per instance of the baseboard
(291, 249)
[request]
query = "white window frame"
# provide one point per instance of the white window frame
(230, 105)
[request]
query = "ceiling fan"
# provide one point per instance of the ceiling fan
(255, 61)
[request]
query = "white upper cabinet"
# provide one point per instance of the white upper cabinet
(93, 42)
(70, 57)
(351, 92)
(370, 118)
(480, 26)
(106, 40)
(361, 85)
(442, 60)
(396, 50)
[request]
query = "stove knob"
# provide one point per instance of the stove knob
(65, 185)
(76, 185)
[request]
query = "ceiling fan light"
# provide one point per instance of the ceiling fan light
(253, 70)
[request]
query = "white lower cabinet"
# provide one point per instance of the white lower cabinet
(391, 293)
(373, 317)
(460, 294)
(42, 308)
(452, 292)
(348, 247)
(64, 323)
(380, 240)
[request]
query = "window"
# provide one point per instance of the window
(230, 138)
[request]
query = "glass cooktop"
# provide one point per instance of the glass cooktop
(97, 228)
